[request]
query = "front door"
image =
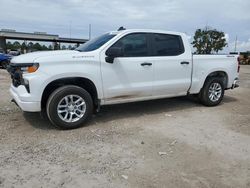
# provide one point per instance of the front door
(129, 77)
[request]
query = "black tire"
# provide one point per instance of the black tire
(204, 93)
(4, 64)
(57, 96)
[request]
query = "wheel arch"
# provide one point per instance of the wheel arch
(82, 82)
(219, 74)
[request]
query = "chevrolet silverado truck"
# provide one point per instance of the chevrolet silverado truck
(117, 67)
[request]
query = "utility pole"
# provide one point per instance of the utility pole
(206, 28)
(89, 31)
(235, 47)
(70, 23)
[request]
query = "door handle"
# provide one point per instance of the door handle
(184, 62)
(146, 64)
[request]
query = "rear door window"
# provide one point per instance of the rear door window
(167, 45)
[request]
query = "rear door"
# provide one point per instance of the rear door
(172, 65)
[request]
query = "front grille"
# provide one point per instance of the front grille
(16, 74)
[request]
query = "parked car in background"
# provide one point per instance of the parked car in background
(14, 52)
(118, 67)
(4, 60)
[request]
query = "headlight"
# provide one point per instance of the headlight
(29, 68)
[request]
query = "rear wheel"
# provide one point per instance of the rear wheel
(212, 92)
(69, 107)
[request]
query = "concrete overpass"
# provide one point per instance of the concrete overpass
(36, 36)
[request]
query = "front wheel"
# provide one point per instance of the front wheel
(212, 92)
(4, 64)
(69, 107)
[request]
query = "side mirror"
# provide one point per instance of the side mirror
(112, 53)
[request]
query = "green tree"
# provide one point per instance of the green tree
(208, 40)
(30, 46)
(44, 47)
(70, 47)
(50, 47)
(16, 45)
(37, 47)
(63, 47)
(9, 45)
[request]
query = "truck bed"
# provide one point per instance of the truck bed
(203, 65)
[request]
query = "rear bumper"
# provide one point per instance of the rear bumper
(27, 106)
(236, 83)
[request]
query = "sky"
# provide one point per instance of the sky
(71, 18)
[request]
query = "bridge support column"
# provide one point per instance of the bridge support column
(3, 44)
(55, 45)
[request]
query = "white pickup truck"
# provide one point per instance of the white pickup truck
(117, 67)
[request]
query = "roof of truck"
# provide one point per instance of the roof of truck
(146, 31)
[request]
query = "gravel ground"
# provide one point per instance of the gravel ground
(164, 143)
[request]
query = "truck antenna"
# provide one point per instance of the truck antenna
(121, 28)
(90, 31)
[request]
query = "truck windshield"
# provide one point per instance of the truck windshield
(95, 43)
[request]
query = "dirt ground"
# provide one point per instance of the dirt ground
(163, 143)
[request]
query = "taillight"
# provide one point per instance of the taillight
(238, 59)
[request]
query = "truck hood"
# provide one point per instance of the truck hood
(31, 57)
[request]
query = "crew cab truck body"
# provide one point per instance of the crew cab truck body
(117, 67)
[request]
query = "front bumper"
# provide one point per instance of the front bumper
(26, 106)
